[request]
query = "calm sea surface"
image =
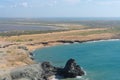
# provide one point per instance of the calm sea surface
(12, 27)
(100, 60)
(20, 24)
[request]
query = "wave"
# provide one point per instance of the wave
(54, 78)
(81, 78)
(78, 77)
(103, 40)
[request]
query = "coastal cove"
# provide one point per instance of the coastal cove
(100, 59)
(17, 50)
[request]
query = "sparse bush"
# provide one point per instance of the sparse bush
(30, 40)
(18, 40)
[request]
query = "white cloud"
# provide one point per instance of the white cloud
(89, 0)
(111, 2)
(24, 4)
(52, 3)
(73, 1)
(55, 2)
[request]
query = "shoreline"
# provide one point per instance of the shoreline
(79, 42)
(100, 40)
(90, 41)
(22, 52)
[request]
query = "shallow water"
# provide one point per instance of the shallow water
(12, 27)
(100, 60)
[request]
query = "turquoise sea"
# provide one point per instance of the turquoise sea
(100, 59)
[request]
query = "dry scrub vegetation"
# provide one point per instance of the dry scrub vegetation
(11, 56)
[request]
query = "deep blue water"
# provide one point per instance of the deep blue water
(100, 60)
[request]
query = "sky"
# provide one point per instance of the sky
(59, 8)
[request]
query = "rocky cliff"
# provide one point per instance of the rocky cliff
(42, 71)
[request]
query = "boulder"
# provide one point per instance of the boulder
(30, 72)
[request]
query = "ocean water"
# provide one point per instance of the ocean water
(100, 60)
(18, 24)
(13, 27)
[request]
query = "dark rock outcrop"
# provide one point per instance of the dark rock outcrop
(65, 41)
(48, 70)
(43, 71)
(71, 70)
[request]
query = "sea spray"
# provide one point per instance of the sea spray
(53, 78)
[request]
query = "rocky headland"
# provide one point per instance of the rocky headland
(43, 71)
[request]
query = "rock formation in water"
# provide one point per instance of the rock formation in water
(43, 71)
(71, 69)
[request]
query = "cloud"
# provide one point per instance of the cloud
(24, 4)
(89, 0)
(55, 2)
(73, 1)
(20, 4)
(51, 3)
(108, 2)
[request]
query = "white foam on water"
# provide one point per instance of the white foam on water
(66, 43)
(103, 40)
(78, 77)
(53, 78)
(82, 78)
(83, 70)
(87, 79)
(57, 77)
